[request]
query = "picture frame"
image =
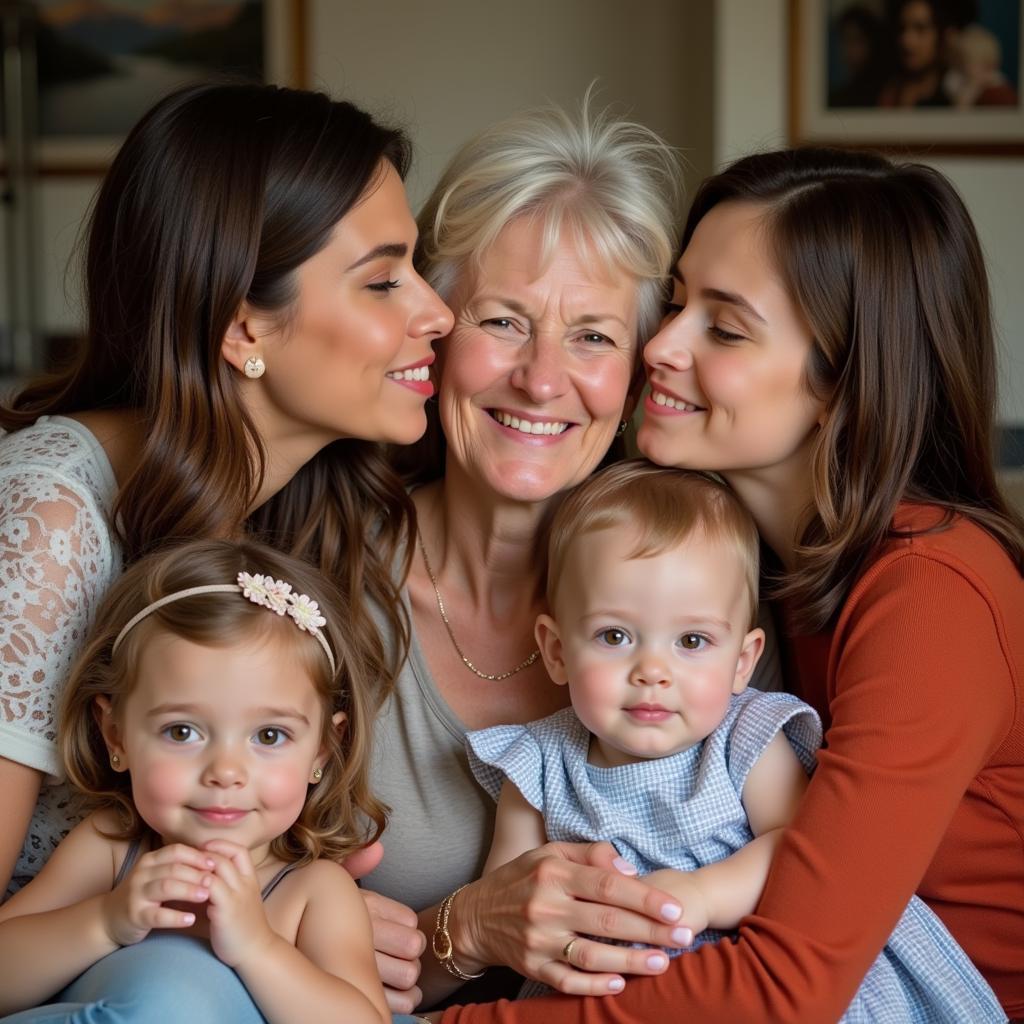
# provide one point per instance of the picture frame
(895, 75)
(100, 66)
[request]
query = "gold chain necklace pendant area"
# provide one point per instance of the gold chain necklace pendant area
(493, 677)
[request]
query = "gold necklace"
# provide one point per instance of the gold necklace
(494, 678)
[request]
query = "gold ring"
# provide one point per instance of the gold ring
(567, 949)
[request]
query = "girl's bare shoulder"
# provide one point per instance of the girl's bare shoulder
(321, 876)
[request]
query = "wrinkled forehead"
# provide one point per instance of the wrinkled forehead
(532, 245)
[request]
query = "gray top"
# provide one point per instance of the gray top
(439, 830)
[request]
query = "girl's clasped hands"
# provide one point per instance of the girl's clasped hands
(220, 877)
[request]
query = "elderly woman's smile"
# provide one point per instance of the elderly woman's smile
(530, 430)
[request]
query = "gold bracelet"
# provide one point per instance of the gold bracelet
(441, 943)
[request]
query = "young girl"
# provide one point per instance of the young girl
(652, 586)
(225, 769)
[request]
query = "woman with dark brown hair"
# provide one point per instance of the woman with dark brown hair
(255, 330)
(829, 352)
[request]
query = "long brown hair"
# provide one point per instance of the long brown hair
(884, 264)
(340, 814)
(217, 196)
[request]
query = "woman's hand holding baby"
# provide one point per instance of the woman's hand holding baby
(171, 874)
(692, 896)
(525, 912)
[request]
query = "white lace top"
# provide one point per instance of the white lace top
(58, 556)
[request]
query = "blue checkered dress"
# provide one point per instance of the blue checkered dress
(684, 811)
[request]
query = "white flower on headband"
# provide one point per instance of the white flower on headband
(266, 591)
(306, 613)
(279, 594)
(278, 597)
(253, 588)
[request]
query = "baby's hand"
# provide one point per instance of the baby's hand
(688, 892)
(175, 873)
(238, 923)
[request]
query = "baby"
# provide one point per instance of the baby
(652, 589)
(976, 78)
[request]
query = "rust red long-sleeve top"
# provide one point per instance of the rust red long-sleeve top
(920, 788)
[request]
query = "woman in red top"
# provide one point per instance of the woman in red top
(829, 351)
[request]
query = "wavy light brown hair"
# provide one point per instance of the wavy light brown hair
(663, 507)
(340, 814)
(884, 264)
(215, 199)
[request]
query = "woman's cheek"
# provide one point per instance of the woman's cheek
(605, 387)
(473, 361)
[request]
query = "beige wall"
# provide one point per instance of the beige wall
(447, 69)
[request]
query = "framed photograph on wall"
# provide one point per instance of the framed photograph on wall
(101, 65)
(936, 76)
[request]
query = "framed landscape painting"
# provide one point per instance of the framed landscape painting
(936, 76)
(102, 64)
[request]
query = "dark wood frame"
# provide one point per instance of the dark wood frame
(90, 156)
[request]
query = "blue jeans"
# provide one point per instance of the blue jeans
(166, 979)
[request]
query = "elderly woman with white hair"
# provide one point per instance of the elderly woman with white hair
(550, 237)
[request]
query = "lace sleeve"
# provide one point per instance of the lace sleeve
(56, 562)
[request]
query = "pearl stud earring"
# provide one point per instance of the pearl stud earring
(254, 367)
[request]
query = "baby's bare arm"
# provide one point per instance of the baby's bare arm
(518, 828)
(721, 894)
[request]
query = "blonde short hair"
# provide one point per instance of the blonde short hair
(664, 507)
(613, 184)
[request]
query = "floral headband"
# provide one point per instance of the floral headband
(264, 591)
